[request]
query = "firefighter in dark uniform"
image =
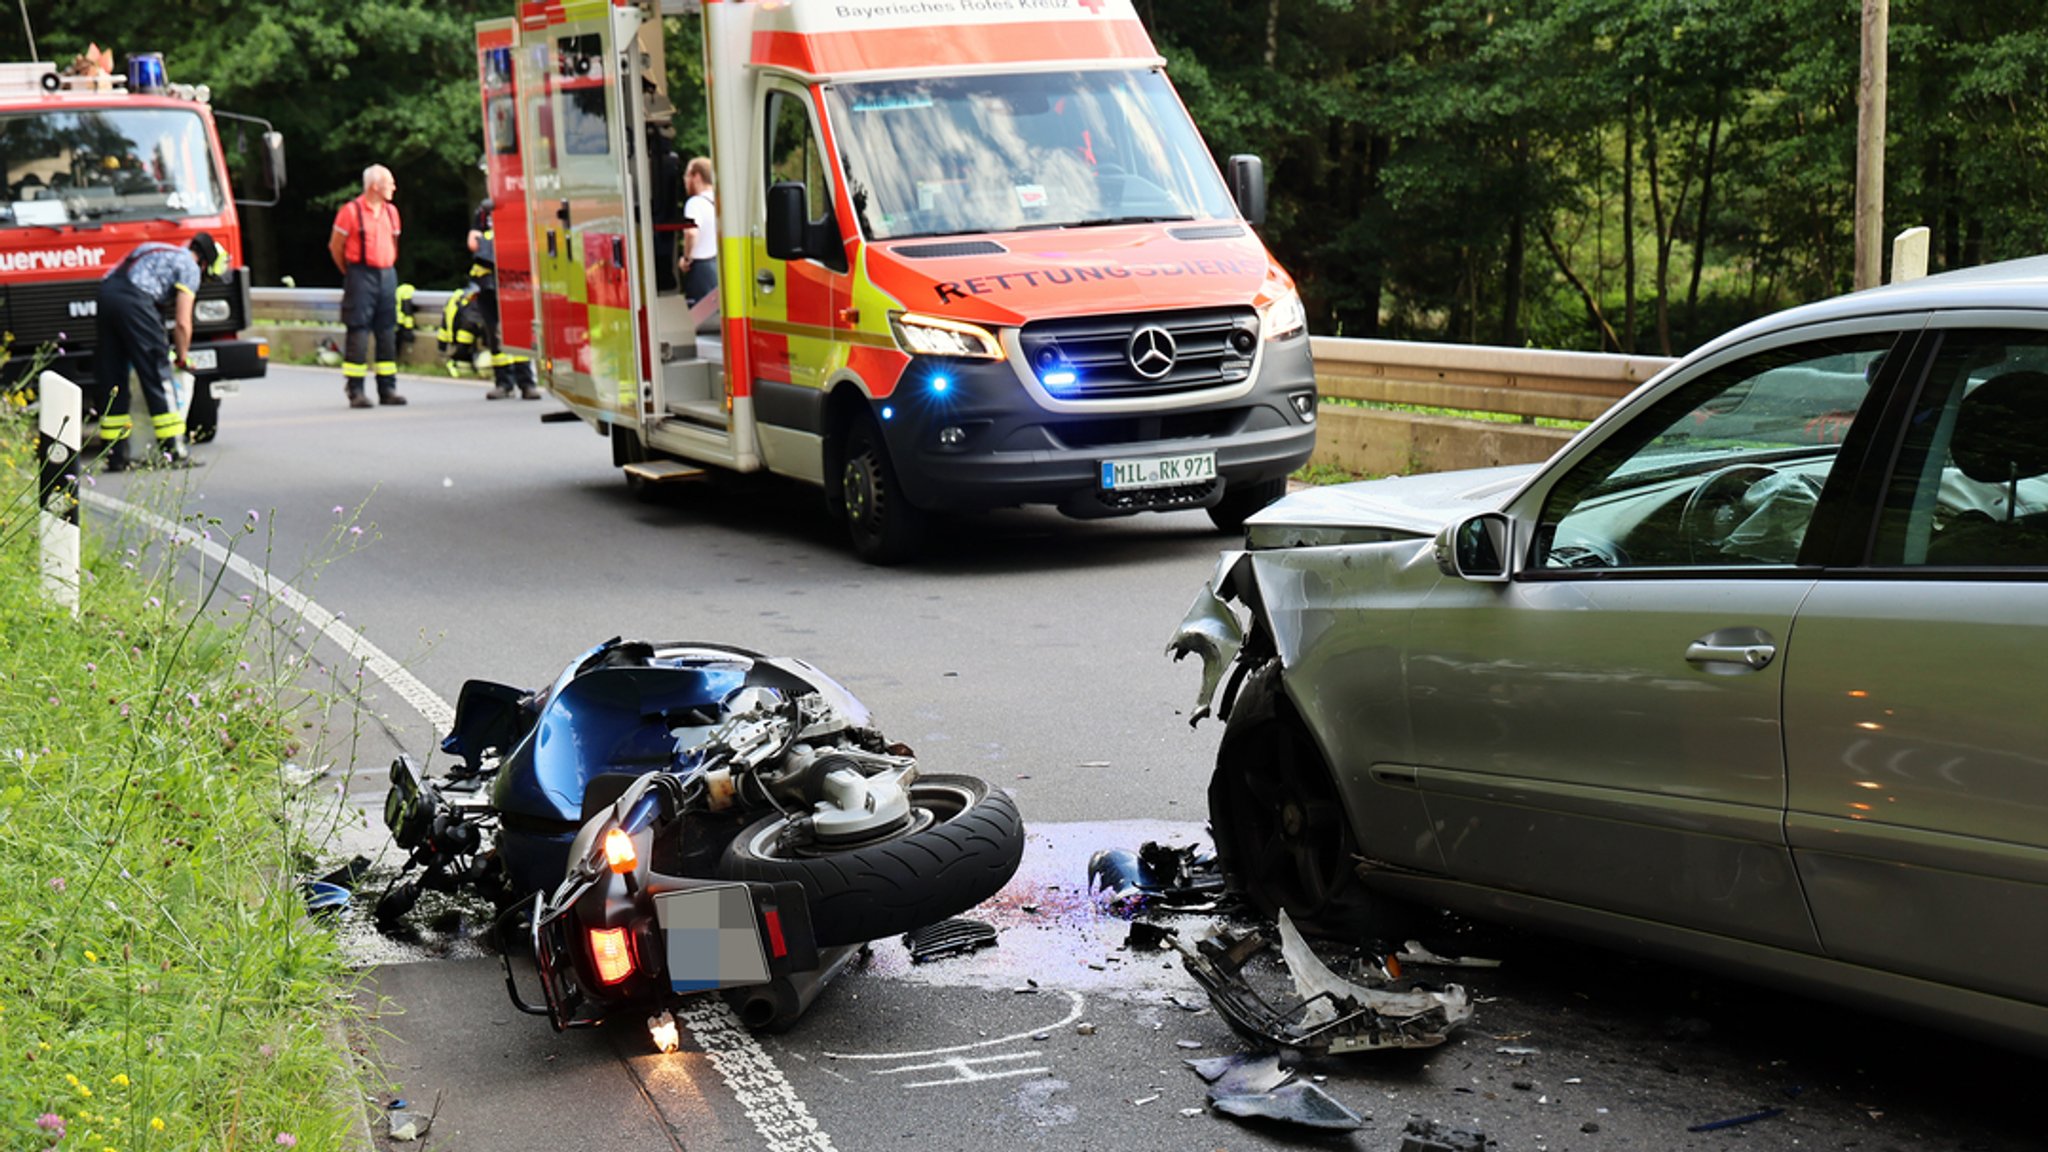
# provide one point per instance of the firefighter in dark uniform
(510, 374)
(132, 300)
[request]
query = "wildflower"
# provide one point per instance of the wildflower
(156, 1123)
(266, 1051)
(91, 958)
(337, 509)
(246, 598)
(287, 1140)
(92, 667)
(155, 603)
(242, 664)
(52, 1123)
(85, 1092)
(68, 1077)
(255, 517)
(355, 531)
(121, 1079)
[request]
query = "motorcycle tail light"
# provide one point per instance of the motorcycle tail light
(619, 851)
(611, 949)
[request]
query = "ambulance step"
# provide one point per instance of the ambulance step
(663, 472)
(708, 413)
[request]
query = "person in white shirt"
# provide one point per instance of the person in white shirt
(699, 264)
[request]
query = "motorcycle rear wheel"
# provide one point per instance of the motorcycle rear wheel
(942, 866)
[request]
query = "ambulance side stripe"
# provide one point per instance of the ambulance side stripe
(1038, 44)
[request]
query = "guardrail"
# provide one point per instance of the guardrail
(1528, 383)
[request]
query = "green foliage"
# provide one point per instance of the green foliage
(161, 987)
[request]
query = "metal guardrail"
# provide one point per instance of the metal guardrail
(1525, 382)
(322, 305)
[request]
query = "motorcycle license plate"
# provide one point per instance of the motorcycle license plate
(1158, 471)
(711, 938)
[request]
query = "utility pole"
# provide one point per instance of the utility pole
(1870, 145)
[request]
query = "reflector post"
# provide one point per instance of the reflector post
(777, 946)
(611, 951)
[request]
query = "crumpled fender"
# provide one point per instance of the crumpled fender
(1211, 630)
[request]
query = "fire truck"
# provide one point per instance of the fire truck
(971, 254)
(94, 166)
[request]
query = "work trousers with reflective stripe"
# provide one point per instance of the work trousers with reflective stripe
(131, 337)
(369, 307)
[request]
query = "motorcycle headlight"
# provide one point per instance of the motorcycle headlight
(1282, 316)
(935, 336)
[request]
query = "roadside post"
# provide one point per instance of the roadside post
(62, 414)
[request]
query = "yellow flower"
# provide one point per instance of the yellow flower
(84, 1091)
(121, 1079)
(156, 1123)
(92, 958)
(68, 1077)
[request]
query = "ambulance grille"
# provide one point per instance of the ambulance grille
(940, 251)
(1209, 348)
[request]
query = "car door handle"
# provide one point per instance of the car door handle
(1753, 656)
(765, 279)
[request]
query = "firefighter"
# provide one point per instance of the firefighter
(463, 330)
(408, 328)
(364, 245)
(131, 303)
(509, 373)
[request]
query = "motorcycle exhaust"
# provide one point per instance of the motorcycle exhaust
(776, 1005)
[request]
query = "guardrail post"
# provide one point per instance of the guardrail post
(62, 415)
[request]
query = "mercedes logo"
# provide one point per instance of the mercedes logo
(1153, 351)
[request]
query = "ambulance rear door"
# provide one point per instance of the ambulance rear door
(581, 180)
(505, 183)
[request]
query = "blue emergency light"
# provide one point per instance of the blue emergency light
(146, 73)
(1060, 379)
(941, 385)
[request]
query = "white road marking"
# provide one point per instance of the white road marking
(971, 1070)
(767, 1097)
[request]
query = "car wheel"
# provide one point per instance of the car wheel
(1241, 500)
(1281, 834)
(884, 526)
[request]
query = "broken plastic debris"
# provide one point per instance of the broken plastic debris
(324, 897)
(1182, 878)
(1737, 1121)
(1296, 1103)
(1430, 1136)
(1209, 630)
(1241, 1075)
(348, 874)
(948, 937)
(1332, 1014)
(1518, 1050)
(1145, 937)
(1414, 953)
(405, 1127)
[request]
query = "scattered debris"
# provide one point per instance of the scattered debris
(1084, 1028)
(1179, 878)
(1149, 937)
(1189, 1045)
(1518, 1050)
(322, 897)
(1296, 1103)
(1191, 1111)
(1332, 1014)
(1414, 953)
(348, 874)
(1430, 1136)
(1143, 1100)
(1241, 1075)
(1737, 1121)
(948, 937)
(406, 1127)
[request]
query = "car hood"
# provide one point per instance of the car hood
(1397, 506)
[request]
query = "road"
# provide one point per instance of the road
(1027, 650)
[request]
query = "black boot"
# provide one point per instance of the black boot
(387, 390)
(356, 399)
(113, 456)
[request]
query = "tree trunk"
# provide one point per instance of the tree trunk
(1699, 232)
(1272, 32)
(1628, 225)
(1607, 337)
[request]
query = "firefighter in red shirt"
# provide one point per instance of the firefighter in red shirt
(364, 245)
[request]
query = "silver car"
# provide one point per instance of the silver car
(1749, 674)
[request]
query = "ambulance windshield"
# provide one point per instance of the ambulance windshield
(77, 166)
(957, 155)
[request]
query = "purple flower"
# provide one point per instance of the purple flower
(255, 517)
(52, 1123)
(287, 1140)
(56, 884)
(337, 509)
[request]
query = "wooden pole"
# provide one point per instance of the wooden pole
(1870, 145)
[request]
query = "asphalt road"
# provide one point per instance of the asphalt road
(1027, 650)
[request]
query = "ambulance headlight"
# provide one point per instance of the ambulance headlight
(1282, 315)
(934, 336)
(211, 311)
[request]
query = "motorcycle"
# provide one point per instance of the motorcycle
(666, 820)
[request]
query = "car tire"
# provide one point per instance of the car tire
(1282, 836)
(964, 854)
(884, 526)
(1241, 500)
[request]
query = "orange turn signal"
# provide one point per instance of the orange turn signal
(611, 949)
(619, 851)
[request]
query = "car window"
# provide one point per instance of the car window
(1725, 471)
(1970, 488)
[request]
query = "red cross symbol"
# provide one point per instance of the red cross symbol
(1094, 6)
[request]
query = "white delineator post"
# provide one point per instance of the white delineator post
(62, 416)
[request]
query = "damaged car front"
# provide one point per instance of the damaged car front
(1320, 597)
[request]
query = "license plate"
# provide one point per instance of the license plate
(1158, 471)
(710, 938)
(202, 359)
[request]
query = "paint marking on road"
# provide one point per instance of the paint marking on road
(971, 1069)
(763, 1093)
(438, 713)
(1074, 1005)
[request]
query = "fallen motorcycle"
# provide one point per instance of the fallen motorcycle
(672, 819)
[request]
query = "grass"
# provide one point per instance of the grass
(1460, 413)
(161, 986)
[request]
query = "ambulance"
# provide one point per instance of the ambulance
(972, 254)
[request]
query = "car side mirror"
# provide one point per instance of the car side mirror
(788, 221)
(1477, 549)
(1248, 187)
